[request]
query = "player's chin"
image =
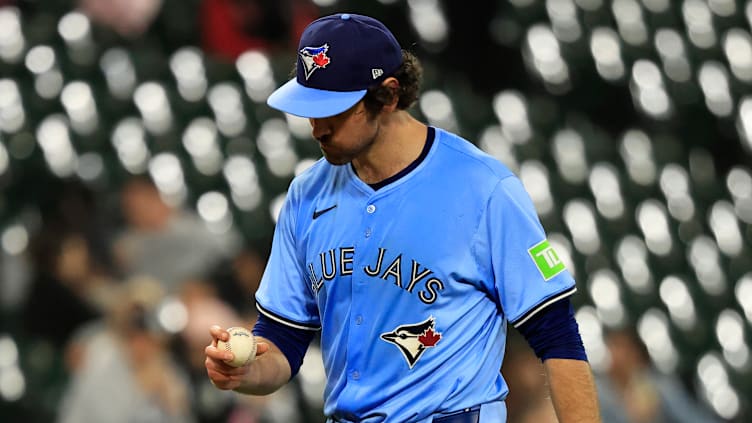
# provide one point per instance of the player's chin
(335, 159)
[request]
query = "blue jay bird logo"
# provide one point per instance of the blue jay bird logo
(412, 340)
(314, 58)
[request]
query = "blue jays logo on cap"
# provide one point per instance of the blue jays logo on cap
(314, 58)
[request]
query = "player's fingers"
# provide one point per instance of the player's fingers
(219, 366)
(217, 333)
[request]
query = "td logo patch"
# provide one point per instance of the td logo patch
(546, 260)
(413, 340)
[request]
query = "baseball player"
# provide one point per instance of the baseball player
(408, 249)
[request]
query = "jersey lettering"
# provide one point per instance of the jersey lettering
(329, 268)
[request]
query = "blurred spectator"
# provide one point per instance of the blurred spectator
(237, 280)
(166, 243)
(67, 287)
(129, 18)
(230, 27)
(122, 368)
(632, 391)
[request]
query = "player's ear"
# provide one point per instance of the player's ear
(392, 85)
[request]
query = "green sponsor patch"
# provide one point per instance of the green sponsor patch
(546, 259)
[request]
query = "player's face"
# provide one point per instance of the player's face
(345, 136)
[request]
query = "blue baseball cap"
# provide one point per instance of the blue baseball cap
(339, 57)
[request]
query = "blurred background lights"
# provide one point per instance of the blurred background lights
(704, 257)
(4, 159)
(119, 72)
(428, 20)
(629, 21)
(653, 329)
(534, 176)
(187, 66)
(653, 222)
(493, 141)
(167, 173)
(671, 49)
(581, 222)
(714, 383)
(151, 100)
(241, 176)
(54, 138)
(75, 30)
(632, 258)
(604, 184)
(200, 140)
(129, 140)
(437, 108)
(275, 144)
(78, 101)
(563, 17)
(739, 184)
(714, 83)
(737, 45)
(648, 91)
(543, 56)
(172, 315)
(729, 330)
(606, 51)
(14, 239)
(744, 122)
(12, 115)
(675, 295)
(743, 293)
(606, 295)
(699, 23)
(592, 337)
(214, 208)
(637, 153)
(674, 182)
(12, 42)
(725, 228)
(569, 155)
(656, 6)
(255, 69)
(722, 8)
(510, 108)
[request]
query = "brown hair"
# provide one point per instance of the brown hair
(409, 75)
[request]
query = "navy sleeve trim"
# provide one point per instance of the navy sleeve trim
(553, 333)
(285, 321)
(533, 311)
(291, 341)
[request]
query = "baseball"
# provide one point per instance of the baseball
(242, 344)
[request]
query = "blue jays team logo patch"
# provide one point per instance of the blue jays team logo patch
(413, 340)
(314, 58)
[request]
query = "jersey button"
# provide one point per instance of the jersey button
(371, 208)
(356, 375)
(368, 232)
(359, 320)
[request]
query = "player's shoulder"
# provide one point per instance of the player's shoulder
(311, 178)
(468, 159)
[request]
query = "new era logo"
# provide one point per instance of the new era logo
(377, 72)
(546, 260)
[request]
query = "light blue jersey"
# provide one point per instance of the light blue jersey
(412, 285)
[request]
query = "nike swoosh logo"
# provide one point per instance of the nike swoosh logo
(317, 213)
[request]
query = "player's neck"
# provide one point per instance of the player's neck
(398, 143)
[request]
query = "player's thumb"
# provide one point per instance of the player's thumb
(261, 348)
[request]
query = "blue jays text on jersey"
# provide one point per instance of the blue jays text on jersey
(412, 285)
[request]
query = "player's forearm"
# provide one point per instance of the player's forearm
(573, 390)
(267, 373)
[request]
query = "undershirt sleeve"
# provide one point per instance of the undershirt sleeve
(553, 332)
(291, 341)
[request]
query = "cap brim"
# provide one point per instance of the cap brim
(306, 102)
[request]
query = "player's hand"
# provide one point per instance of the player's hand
(221, 374)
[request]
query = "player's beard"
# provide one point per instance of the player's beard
(338, 153)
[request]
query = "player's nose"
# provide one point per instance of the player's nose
(319, 128)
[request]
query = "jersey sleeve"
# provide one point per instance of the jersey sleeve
(284, 294)
(527, 273)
